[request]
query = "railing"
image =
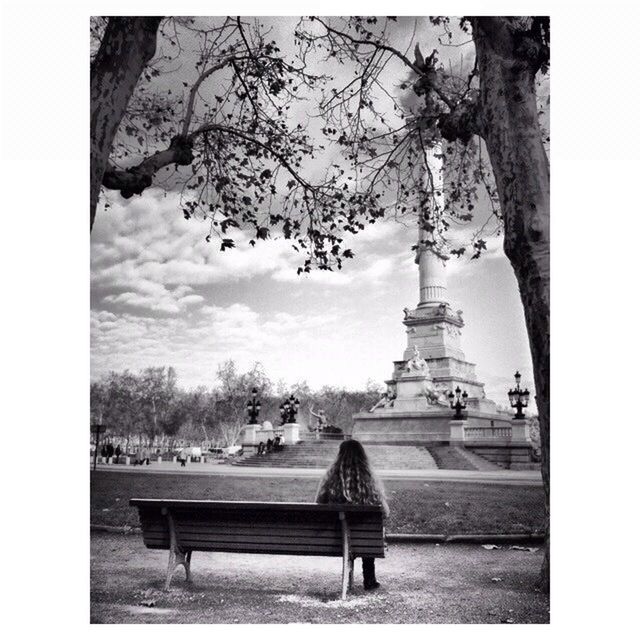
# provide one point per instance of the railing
(486, 433)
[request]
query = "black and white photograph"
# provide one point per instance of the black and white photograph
(305, 370)
(319, 319)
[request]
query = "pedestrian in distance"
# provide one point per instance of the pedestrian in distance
(118, 453)
(351, 480)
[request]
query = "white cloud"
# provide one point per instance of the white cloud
(379, 269)
(163, 296)
(335, 278)
(148, 239)
(196, 343)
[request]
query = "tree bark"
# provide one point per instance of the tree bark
(510, 128)
(126, 48)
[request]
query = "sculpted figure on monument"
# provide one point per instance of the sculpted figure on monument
(321, 418)
(385, 401)
(417, 364)
(434, 395)
(407, 313)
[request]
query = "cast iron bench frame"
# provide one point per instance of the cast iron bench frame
(283, 528)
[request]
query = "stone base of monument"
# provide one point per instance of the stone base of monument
(402, 427)
(494, 436)
(254, 434)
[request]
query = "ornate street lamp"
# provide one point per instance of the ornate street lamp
(253, 407)
(518, 398)
(459, 404)
(289, 409)
(97, 428)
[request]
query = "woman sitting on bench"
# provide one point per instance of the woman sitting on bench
(350, 479)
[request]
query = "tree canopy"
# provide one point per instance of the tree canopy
(150, 406)
(309, 134)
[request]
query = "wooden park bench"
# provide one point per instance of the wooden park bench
(284, 528)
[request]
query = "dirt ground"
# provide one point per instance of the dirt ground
(426, 583)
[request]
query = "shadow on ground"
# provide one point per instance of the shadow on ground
(420, 584)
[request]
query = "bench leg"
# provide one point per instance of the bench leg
(187, 566)
(347, 560)
(177, 557)
(351, 560)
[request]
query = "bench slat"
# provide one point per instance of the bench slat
(219, 519)
(269, 532)
(287, 518)
(216, 505)
(276, 551)
(264, 547)
(247, 545)
(184, 538)
(224, 531)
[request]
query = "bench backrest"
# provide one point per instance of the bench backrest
(291, 528)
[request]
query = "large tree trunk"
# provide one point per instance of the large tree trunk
(510, 128)
(126, 48)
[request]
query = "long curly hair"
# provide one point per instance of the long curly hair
(350, 479)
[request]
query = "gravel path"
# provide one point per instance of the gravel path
(420, 584)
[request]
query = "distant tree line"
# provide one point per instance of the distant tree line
(149, 407)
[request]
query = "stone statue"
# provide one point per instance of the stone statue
(442, 309)
(417, 364)
(322, 422)
(385, 401)
(434, 395)
(407, 313)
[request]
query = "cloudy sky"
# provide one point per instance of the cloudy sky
(161, 295)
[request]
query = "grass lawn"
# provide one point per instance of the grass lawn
(416, 506)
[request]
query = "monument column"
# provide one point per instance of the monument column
(431, 268)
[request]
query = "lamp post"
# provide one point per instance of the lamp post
(289, 409)
(518, 398)
(97, 427)
(253, 407)
(458, 402)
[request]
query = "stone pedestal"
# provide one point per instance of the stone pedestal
(159, 459)
(249, 434)
(262, 435)
(127, 460)
(456, 432)
(291, 433)
(520, 432)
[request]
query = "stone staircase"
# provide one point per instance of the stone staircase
(319, 454)
(448, 457)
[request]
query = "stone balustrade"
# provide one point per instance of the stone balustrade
(486, 433)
